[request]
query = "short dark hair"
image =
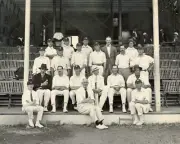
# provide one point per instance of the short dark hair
(60, 67)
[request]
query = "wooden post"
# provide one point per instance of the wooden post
(60, 15)
(156, 55)
(27, 41)
(120, 18)
(54, 16)
(112, 15)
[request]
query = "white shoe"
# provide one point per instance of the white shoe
(151, 110)
(124, 109)
(104, 126)
(39, 125)
(111, 109)
(31, 124)
(100, 127)
(65, 110)
(45, 109)
(141, 120)
(53, 109)
(140, 123)
(135, 122)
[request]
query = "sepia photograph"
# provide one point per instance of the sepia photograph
(89, 72)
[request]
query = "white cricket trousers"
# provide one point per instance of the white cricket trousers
(111, 93)
(30, 109)
(72, 95)
(137, 108)
(90, 109)
(44, 93)
(64, 93)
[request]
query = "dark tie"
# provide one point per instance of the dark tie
(86, 93)
(31, 96)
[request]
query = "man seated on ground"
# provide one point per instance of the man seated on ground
(140, 103)
(75, 84)
(131, 83)
(50, 52)
(85, 104)
(42, 84)
(60, 60)
(78, 58)
(96, 82)
(116, 85)
(144, 61)
(60, 86)
(41, 60)
(98, 58)
(30, 104)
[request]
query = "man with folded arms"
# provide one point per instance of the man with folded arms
(75, 84)
(30, 102)
(98, 59)
(116, 85)
(42, 84)
(131, 83)
(60, 86)
(139, 103)
(85, 104)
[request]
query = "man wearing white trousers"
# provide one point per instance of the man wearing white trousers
(60, 86)
(85, 104)
(30, 102)
(139, 103)
(131, 83)
(42, 84)
(96, 82)
(75, 84)
(98, 59)
(116, 85)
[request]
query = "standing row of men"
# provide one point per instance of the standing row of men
(116, 69)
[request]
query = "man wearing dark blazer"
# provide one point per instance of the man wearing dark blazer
(42, 84)
(111, 53)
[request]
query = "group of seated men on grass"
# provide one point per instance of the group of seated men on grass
(88, 78)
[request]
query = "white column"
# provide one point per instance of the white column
(156, 55)
(27, 41)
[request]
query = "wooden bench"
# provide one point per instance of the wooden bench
(17, 56)
(167, 73)
(10, 64)
(171, 87)
(8, 74)
(5, 91)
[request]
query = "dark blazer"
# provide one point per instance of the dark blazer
(110, 60)
(37, 80)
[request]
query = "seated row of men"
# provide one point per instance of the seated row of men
(104, 58)
(87, 93)
(60, 85)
